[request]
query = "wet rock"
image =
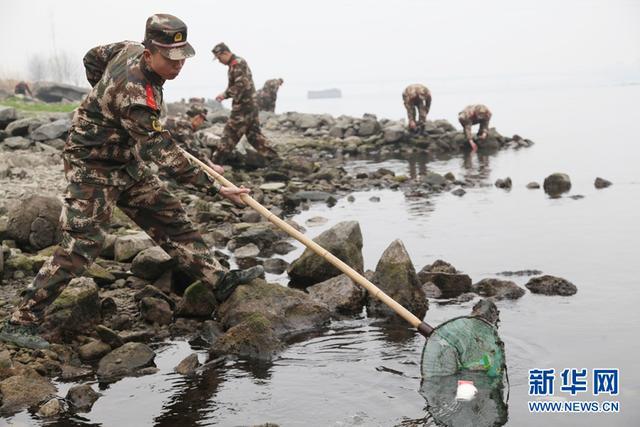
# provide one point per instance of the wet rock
(53, 130)
(93, 350)
(369, 126)
(282, 247)
(17, 143)
(316, 221)
(449, 176)
(198, 301)
(556, 184)
(520, 273)
(75, 310)
(344, 240)
(33, 223)
(287, 310)
(19, 262)
(254, 338)
(438, 266)
(340, 294)
(127, 247)
(551, 285)
(273, 186)
(109, 336)
(397, 277)
(394, 133)
(188, 365)
(151, 263)
(24, 391)
(498, 289)
(295, 199)
(74, 373)
(155, 311)
(125, 361)
(99, 274)
(51, 409)
(601, 183)
(261, 235)
(82, 397)
(487, 310)
(434, 180)
(576, 197)
(374, 199)
(504, 183)
(154, 292)
(23, 127)
(431, 291)
(247, 251)
(533, 185)
(451, 285)
(275, 265)
(458, 192)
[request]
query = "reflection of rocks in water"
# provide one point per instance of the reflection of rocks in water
(489, 407)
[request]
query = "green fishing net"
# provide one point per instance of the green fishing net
(463, 344)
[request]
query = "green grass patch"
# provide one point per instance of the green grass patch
(39, 107)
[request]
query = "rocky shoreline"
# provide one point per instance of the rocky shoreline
(133, 295)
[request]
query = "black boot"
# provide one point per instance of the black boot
(233, 278)
(23, 336)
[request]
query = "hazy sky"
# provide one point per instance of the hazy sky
(361, 46)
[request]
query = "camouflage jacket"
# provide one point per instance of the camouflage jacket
(240, 86)
(116, 130)
(474, 114)
(268, 95)
(415, 93)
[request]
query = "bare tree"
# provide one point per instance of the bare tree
(64, 68)
(37, 68)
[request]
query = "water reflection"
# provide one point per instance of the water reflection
(488, 408)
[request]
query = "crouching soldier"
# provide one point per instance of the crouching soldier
(472, 115)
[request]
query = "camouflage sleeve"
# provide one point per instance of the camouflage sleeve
(237, 80)
(153, 143)
(466, 126)
(411, 112)
(96, 60)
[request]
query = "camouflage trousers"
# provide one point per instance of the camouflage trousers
(85, 214)
(467, 124)
(243, 121)
(423, 108)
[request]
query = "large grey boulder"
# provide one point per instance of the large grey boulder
(397, 277)
(368, 126)
(341, 294)
(556, 184)
(75, 310)
(125, 361)
(34, 223)
(551, 285)
(258, 316)
(58, 92)
(57, 129)
(344, 240)
(498, 289)
(198, 300)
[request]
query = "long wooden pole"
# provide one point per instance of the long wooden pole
(422, 327)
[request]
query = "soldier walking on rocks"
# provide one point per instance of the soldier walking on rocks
(417, 97)
(472, 115)
(244, 110)
(115, 132)
(268, 95)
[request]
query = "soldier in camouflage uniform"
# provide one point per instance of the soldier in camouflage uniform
(183, 127)
(268, 94)
(244, 110)
(417, 96)
(471, 115)
(115, 132)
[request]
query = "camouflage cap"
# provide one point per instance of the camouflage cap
(220, 48)
(169, 35)
(196, 109)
